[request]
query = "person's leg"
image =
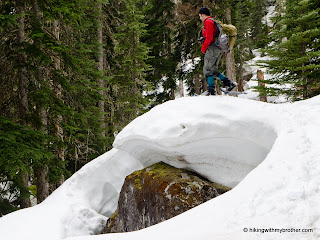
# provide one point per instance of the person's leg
(226, 81)
(228, 84)
(211, 61)
(210, 69)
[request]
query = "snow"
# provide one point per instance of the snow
(271, 12)
(269, 154)
(252, 66)
(79, 206)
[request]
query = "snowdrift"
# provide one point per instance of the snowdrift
(268, 153)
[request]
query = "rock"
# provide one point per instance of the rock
(157, 193)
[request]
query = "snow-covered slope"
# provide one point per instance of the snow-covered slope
(268, 153)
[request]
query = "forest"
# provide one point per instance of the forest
(74, 73)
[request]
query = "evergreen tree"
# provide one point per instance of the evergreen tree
(21, 149)
(252, 33)
(295, 52)
(187, 46)
(68, 92)
(129, 65)
(160, 38)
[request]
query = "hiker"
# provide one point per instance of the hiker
(212, 54)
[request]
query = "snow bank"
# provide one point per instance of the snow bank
(268, 153)
(223, 144)
(79, 207)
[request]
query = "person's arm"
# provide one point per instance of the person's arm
(210, 28)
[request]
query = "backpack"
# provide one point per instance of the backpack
(225, 36)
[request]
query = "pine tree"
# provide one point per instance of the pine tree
(21, 149)
(187, 46)
(129, 66)
(295, 52)
(247, 16)
(160, 38)
(75, 79)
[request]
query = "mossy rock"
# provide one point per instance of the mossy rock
(157, 193)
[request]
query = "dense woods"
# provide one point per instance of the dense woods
(74, 73)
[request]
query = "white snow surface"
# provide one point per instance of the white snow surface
(269, 154)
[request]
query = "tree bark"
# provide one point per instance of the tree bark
(172, 96)
(260, 77)
(204, 84)
(58, 92)
(22, 71)
(230, 64)
(23, 108)
(241, 78)
(181, 89)
(101, 83)
(197, 84)
(41, 173)
(42, 183)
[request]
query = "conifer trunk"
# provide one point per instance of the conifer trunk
(41, 173)
(42, 183)
(22, 71)
(169, 52)
(204, 84)
(197, 84)
(230, 64)
(181, 89)
(260, 77)
(101, 68)
(23, 100)
(58, 92)
(172, 96)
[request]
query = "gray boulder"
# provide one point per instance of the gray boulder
(157, 193)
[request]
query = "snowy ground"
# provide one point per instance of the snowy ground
(268, 152)
(253, 66)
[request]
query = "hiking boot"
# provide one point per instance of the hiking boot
(209, 92)
(231, 86)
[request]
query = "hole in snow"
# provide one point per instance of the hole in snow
(225, 157)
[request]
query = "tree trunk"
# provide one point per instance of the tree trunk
(230, 64)
(241, 77)
(42, 183)
(181, 89)
(23, 100)
(101, 68)
(58, 93)
(41, 173)
(204, 84)
(22, 71)
(172, 96)
(217, 84)
(260, 77)
(197, 84)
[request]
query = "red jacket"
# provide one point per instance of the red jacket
(209, 28)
